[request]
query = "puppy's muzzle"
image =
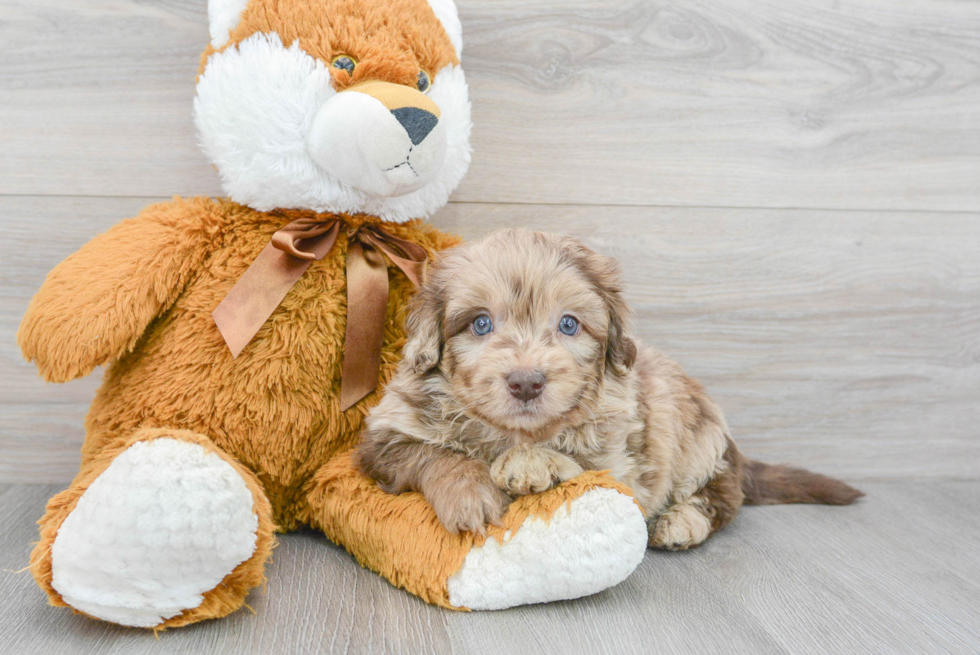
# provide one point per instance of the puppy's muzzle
(525, 384)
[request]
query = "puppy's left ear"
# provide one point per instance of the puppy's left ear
(424, 327)
(620, 347)
(605, 275)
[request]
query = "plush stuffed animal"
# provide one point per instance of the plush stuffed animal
(244, 338)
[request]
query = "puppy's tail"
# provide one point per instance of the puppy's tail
(768, 484)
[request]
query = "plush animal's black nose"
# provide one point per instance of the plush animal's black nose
(417, 122)
(525, 384)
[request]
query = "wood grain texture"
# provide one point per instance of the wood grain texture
(773, 103)
(889, 575)
(670, 604)
(844, 341)
(882, 578)
(761, 103)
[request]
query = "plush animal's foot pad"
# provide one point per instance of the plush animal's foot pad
(593, 543)
(160, 527)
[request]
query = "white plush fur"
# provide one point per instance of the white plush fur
(162, 525)
(254, 108)
(585, 548)
(223, 16)
(445, 11)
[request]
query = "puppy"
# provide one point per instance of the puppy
(520, 372)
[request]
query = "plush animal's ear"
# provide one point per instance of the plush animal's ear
(424, 326)
(223, 17)
(445, 11)
(606, 277)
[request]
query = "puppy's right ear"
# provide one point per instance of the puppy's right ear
(424, 327)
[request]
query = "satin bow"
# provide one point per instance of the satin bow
(282, 263)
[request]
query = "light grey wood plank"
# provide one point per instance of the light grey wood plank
(776, 103)
(319, 599)
(40, 439)
(861, 579)
(937, 532)
(772, 103)
(844, 341)
(872, 578)
(103, 91)
(670, 604)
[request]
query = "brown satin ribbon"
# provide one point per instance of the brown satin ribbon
(282, 263)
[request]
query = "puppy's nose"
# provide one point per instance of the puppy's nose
(417, 122)
(525, 384)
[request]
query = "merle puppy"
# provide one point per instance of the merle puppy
(520, 372)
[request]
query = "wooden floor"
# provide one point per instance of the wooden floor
(793, 188)
(897, 573)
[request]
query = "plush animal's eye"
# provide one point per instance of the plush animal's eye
(423, 82)
(568, 325)
(482, 325)
(343, 62)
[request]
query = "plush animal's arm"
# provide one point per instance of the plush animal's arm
(576, 539)
(94, 306)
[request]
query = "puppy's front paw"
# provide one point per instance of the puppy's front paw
(466, 499)
(525, 469)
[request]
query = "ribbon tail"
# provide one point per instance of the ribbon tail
(256, 295)
(367, 304)
(253, 299)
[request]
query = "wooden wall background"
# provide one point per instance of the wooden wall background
(793, 187)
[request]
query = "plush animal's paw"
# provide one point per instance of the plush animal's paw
(160, 527)
(681, 527)
(465, 499)
(527, 469)
(588, 543)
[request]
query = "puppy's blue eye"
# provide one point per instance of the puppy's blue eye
(482, 325)
(568, 325)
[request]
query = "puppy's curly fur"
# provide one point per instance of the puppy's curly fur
(500, 393)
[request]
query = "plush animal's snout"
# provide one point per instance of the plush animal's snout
(417, 122)
(384, 139)
(525, 384)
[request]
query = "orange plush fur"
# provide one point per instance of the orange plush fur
(379, 42)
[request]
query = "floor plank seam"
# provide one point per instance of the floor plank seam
(874, 210)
